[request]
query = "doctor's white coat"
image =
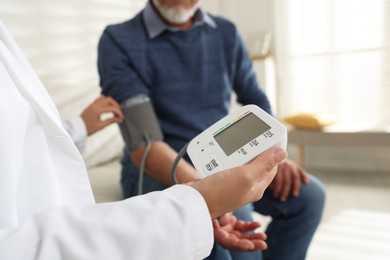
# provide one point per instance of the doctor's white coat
(47, 209)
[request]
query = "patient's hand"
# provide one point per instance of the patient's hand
(92, 114)
(288, 180)
(229, 233)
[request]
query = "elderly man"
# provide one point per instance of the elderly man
(186, 63)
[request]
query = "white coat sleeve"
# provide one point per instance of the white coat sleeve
(172, 224)
(75, 127)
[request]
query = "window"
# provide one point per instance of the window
(333, 56)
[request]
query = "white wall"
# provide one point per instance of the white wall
(253, 18)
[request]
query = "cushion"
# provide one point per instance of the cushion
(309, 120)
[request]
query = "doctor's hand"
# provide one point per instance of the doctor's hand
(231, 189)
(92, 114)
(288, 180)
(228, 232)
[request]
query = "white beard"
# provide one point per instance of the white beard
(176, 15)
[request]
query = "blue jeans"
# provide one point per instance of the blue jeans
(290, 232)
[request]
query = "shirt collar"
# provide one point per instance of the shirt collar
(155, 25)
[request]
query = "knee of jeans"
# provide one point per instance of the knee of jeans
(313, 195)
(244, 213)
(129, 181)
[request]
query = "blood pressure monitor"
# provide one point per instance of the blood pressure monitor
(235, 140)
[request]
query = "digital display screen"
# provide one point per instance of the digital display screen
(240, 133)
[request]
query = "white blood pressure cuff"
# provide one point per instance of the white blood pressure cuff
(140, 125)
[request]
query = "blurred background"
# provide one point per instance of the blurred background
(323, 56)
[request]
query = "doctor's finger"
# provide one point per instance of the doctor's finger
(265, 163)
(267, 169)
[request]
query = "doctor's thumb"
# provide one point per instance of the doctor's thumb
(267, 162)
